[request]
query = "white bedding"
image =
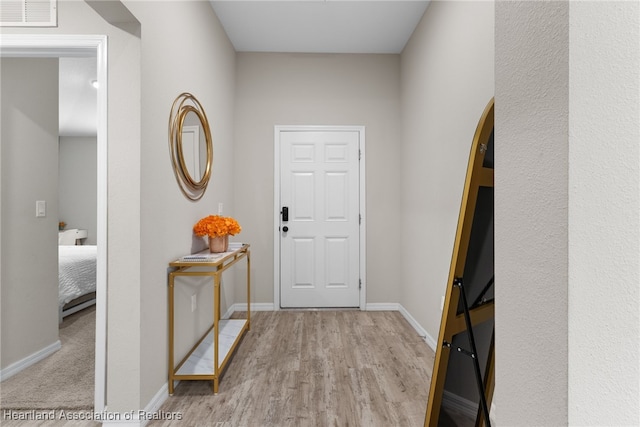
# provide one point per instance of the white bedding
(76, 271)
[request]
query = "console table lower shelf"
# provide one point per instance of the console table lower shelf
(198, 364)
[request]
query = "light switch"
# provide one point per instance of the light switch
(41, 208)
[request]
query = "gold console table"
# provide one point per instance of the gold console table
(209, 356)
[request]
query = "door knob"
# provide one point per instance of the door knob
(285, 228)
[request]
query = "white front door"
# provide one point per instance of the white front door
(319, 219)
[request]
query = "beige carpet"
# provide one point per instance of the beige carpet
(64, 380)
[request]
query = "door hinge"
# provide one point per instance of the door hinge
(360, 219)
(359, 283)
(359, 154)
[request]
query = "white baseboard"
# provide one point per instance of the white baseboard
(156, 402)
(390, 306)
(242, 306)
(118, 419)
(492, 414)
(431, 342)
(382, 306)
(256, 306)
(18, 366)
(142, 417)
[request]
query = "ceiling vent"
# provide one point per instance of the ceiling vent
(28, 13)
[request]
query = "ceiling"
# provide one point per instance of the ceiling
(78, 100)
(319, 26)
(310, 26)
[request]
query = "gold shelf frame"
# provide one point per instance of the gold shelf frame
(212, 269)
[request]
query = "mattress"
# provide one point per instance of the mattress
(76, 271)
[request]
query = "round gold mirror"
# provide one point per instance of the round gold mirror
(190, 145)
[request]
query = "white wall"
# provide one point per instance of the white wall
(29, 168)
(184, 49)
(604, 214)
(316, 89)
(123, 358)
(447, 81)
(567, 213)
(77, 183)
(149, 221)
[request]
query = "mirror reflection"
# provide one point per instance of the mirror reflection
(194, 148)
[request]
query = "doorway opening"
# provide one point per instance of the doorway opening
(60, 46)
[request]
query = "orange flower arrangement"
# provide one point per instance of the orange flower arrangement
(216, 226)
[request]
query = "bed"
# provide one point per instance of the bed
(77, 278)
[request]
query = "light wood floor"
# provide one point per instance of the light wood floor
(315, 368)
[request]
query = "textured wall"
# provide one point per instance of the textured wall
(604, 214)
(531, 198)
(567, 213)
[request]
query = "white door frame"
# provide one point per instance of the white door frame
(276, 205)
(52, 46)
